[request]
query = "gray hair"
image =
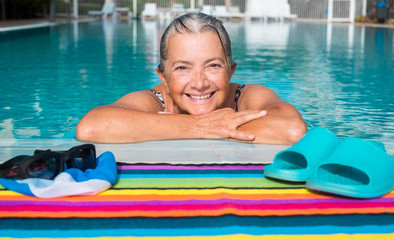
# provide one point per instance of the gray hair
(195, 23)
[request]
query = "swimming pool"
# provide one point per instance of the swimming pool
(339, 76)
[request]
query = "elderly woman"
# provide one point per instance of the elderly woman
(195, 98)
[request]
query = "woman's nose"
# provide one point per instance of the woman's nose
(199, 80)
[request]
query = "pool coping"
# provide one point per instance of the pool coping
(193, 151)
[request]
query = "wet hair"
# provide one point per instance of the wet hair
(195, 23)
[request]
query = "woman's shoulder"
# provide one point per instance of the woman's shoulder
(144, 95)
(256, 95)
(159, 88)
(250, 89)
(254, 88)
(145, 100)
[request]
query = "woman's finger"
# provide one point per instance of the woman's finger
(238, 135)
(248, 116)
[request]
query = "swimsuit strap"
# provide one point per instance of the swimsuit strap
(159, 97)
(237, 95)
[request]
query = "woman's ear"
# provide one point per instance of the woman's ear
(233, 67)
(232, 70)
(162, 78)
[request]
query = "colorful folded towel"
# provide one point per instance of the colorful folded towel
(70, 182)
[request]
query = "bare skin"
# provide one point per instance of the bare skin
(199, 101)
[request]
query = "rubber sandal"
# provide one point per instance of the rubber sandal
(299, 162)
(357, 168)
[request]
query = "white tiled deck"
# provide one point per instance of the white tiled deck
(174, 151)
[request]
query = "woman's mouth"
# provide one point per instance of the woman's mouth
(200, 97)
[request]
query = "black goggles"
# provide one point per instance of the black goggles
(48, 164)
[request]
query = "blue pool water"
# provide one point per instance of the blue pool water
(338, 76)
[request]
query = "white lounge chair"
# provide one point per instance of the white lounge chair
(108, 9)
(269, 9)
(177, 9)
(123, 12)
(221, 12)
(256, 9)
(284, 12)
(207, 9)
(236, 13)
(150, 11)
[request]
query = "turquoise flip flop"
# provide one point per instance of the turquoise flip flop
(356, 168)
(299, 162)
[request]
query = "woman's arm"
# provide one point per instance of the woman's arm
(135, 118)
(283, 123)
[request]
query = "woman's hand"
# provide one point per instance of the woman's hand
(224, 123)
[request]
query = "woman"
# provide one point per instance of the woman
(195, 98)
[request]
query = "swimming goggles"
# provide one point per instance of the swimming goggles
(48, 164)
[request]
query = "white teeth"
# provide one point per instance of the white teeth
(200, 97)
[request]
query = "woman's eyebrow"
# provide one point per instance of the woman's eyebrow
(184, 62)
(214, 59)
(181, 62)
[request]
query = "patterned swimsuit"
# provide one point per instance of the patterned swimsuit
(238, 92)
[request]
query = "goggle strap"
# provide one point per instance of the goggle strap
(13, 161)
(8, 165)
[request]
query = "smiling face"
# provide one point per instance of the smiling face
(196, 73)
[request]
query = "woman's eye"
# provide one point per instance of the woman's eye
(215, 65)
(180, 68)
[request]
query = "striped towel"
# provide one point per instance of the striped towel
(164, 201)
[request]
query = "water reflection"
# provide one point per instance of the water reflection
(108, 29)
(267, 35)
(339, 76)
(326, 71)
